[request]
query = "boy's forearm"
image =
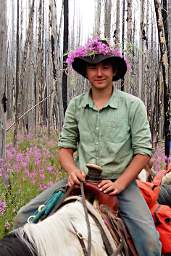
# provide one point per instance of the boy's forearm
(67, 160)
(131, 172)
(75, 175)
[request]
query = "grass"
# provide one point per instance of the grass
(30, 167)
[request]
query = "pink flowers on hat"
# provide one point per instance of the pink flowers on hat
(92, 47)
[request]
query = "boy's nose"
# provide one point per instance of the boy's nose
(99, 71)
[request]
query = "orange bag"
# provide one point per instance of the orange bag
(161, 213)
(162, 219)
(150, 192)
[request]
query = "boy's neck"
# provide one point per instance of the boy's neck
(101, 97)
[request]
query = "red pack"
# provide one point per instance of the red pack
(162, 219)
(150, 192)
(161, 213)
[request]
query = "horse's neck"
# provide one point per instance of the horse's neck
(56, 233)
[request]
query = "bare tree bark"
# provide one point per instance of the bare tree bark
(65, 50)
(40, 85)
(97, 17)
(56, 67)
(129, 44)
(28, 70)
(164, 63)
(129, 21)
(107, 19)
(141, 50)
(17, 77)
(123, 39)
(3, 91)
(117, 29)
(3, 37)
(169, 49)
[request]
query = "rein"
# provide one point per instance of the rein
(88, 253)
(113, 232)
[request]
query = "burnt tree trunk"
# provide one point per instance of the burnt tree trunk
(17, 77)
(123, 39)
(165, 68)
(65, 49)
(3, 29)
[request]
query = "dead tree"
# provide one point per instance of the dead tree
(165, 69)
(3, 99)
(17, 77)
(107, 18)
(65, 49)
(3, 37)
(116, 34)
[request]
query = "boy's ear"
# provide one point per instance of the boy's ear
(114, 72)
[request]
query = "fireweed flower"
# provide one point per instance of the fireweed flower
(2, 207)
(30, 165)
(43, 186)
(95, 46)
(50, 168)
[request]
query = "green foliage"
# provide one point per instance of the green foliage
(31, 167)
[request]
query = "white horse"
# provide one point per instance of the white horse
(58, 234)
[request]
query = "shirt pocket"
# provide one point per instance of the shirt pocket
(116, 131)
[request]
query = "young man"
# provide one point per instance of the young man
(109, 128)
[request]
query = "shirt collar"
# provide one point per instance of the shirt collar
(112, 102)
(87, 100)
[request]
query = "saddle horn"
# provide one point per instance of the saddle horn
(94, 172)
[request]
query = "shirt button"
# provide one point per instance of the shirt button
(97, 128)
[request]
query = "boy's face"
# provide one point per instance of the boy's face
(100, 75)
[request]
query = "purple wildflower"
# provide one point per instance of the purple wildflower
(43, 186)
(42, 175)
(24, 163)
(19, 157)
(95, 46)
(37, 162)
(50, 168)
(2, 207)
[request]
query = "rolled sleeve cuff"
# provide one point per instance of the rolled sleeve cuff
(66, 145)
(143, 152)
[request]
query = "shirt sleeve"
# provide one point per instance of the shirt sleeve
(140, 129)
(70, 134)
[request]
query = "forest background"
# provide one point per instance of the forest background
(36, 84)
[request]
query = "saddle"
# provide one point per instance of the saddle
(92, 193)
(106, 205)
(108, 209)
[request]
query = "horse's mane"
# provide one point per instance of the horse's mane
(57, 233)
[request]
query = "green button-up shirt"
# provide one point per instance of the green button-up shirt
(108, 137)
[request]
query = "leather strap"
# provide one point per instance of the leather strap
(106, 236)
(87, 218)
(81, 240)
(115, 224)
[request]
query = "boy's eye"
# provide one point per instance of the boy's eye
(106, 66)
(92, 67)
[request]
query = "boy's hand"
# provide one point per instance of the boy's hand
(75, 177)
(110, 187)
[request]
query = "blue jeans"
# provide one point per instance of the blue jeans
(133, 210)
(137, 217)
(27, 210)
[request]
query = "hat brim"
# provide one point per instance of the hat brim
(80, 64)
